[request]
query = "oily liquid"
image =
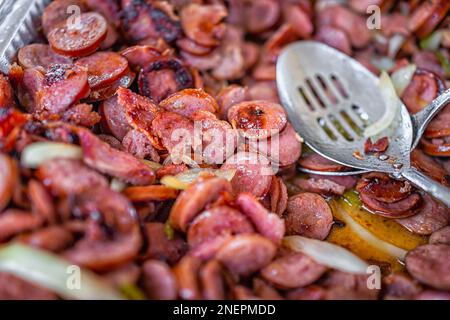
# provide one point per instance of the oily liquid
(385, 229)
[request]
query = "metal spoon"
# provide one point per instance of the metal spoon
(327, 97)
(419, 120)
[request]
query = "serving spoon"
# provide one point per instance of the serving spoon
(327, 96)
(333, 62)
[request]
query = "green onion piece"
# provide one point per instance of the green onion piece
(54, 273)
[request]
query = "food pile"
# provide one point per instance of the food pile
(101, 167)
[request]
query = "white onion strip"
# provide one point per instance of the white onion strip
(392, 107)
(328, 254)
(37, 153)
(402, 78)
(51, 272)
(369, 237)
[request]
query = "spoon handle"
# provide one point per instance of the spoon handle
(428, 185)
(421, 119)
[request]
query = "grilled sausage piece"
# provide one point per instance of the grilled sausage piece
(430, 264)
(309, 215)
(293, 270)
(246, 254)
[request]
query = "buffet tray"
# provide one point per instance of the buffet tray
(20, 24)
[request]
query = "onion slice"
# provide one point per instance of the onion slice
(53, 273)
(37, 153)
(182, 180)
(402, 78)
(369, 237)
(328, 254)
(392, 103)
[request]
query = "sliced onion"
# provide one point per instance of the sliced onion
(382, 63)
(328, 254)
(51, 272)
(174, 183)
(184, 159)
(182, 180)
(153, 165)
(392, 107)
(402, 78)
(37, 153)
(369, 237)
(433, 41)
(117, 185)
(395, 44)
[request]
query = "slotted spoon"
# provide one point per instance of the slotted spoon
(327, 97)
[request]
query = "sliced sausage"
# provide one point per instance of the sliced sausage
(14, 222)
(246, 254)
(57, 12)
(382, 188)
(139, 111)
(266, 223)
(150, 193)
(202, 23)
(278, 196)
(139, 56)
(107, 92)
(401, 209)
(430, 264)
(158, 281)
(314, 161)
(194, 199)
(53, 238)
(15, 288)
(108, 8)
(283, 149)
(229, 96)
(187, 101)
(424, 87)
(164, 76)
(160, 246)
(335, 38)
(41, 202)
(318, 185)
(429, 166)
(62, 87)
(103, 157)
(175, 133)
(216, 222)
(212, 282)
(218, 139)
(397, 286)
(82, 115)
(64, 177)
(308, 215)
(441, 236)
(139, 145)
(192, 47)
(341, 285)
(293, 270)
(143, 19)
(431, 217)
(114, 119)
(103, 68)
(40, 55)
(81, 40)
(186, 272)
(433, 295)
(253, 173)
(257, 119)
(261, 15)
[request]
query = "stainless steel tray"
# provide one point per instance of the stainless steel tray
(20, 22)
